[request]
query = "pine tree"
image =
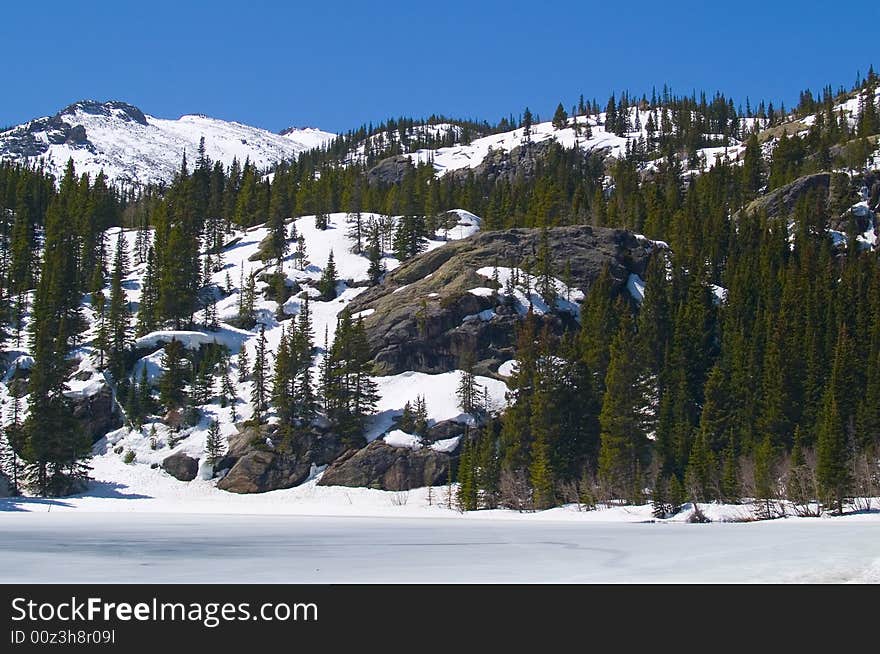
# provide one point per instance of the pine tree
(246, 315)
(214, 447)
(560, 117)
(328, 281)
(147, 308)
(118, 316)
(832, 464)
(765, 479)
(374, 254)
(227, 390)
(300, 257)
(260, 377)
(171, 385)
(350, 395)
(467, 386)
(622, 438)
(466, 493)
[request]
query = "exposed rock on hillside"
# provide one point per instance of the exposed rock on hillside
(389, 171)
(782, 200)
(383, 466)
(97, 413)
(181, 466)
(5, 485)
(260, 461)
(419, 319)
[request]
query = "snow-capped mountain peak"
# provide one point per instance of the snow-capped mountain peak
(131, 146)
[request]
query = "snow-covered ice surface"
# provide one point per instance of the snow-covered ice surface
(162, 548)
(141, 525)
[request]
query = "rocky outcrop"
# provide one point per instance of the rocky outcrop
(385, 467)
(781, 201)
(419, 319)
(5, 485)
(97, 413)
(502, 165)
(181, 466)
(389, 171)
(264, 460)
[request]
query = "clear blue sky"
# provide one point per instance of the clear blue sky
(336, 65)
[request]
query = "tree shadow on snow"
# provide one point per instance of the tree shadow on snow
(99, 489)
(111, 490)
(29, 504)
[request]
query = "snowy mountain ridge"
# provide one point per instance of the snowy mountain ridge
(130, 146)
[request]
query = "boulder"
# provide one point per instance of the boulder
(444, 430)
(5, 485)
(265, 460)
(385, 467)
(425, 318)
(181, 466)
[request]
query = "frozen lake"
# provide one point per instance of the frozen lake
(156, 547)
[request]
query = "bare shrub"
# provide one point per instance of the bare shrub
(801, 487)
(697, 516)
(866, 479)
(764, 490)
(515, 490)
(400, 498)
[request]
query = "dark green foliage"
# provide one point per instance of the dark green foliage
(349, 394)
(176, 368)
(328, 281)
(214, 446)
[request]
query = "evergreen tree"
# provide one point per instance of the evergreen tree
(214, 447)
(374, 254)
(328, 281)
(174, 376)
(260, 377)
(832, 464)
(560, 118)
(623, 439)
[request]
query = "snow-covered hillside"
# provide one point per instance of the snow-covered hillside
(129, 145)
(155, 441)
(590, 134)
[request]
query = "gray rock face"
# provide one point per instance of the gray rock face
(389, 171)
(24, 142)
(5, 485)
(419, 322)
(256, 466)
(444, 430)
(782, 200)
(181, 466)
(521, 161)
(388, 468)
(97, 414)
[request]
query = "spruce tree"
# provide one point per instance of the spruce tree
(171, 385)
(832, 462)
(214, 447)
(260, 377)
(328, 281)
(623, 439)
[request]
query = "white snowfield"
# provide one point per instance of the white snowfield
(128, 150)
